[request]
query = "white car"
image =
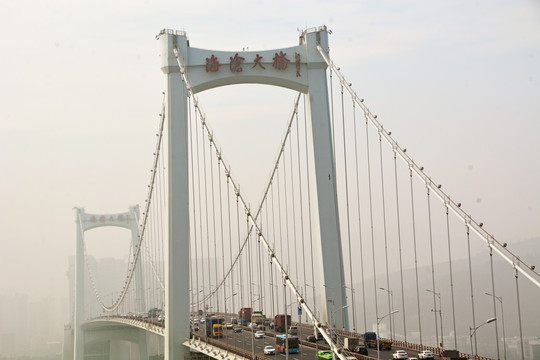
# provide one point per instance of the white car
(228, 326)
(269, 350)
(400, 354)
(425, 354)
(259, 335)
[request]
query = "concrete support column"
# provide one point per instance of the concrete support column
(177, 248)
(322, 175)
(143, 345)
(79, 289)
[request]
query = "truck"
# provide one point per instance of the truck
(214, 326)
(282, 322)
(370, 340)
(350, 343)
(258, 317)
(451, 355)
(244, 316)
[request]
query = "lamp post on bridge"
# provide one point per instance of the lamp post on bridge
(502, 316)
(354, 307)
(392, 323)
(379, 319)
(438, 294)
(314, 299)
(227, 298)
(472, 331)
(332, 327)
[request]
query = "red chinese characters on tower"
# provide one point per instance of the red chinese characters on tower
(258, 62)
(212, 64)
(280, 61)
(236, 63)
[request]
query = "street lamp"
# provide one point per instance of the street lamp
(379, 319)
(354, 307)
(331, 327)
(392, 322)
(502, 315)
(473, 330)
(259, 300)
(438, 294)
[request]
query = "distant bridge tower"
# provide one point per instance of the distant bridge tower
(300, 68)
(128, 220)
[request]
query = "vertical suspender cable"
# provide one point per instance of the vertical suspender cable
(260, 273)
(274, 231)
(519, 315)
(205, 181)
(193, 230)
(451, 275)
(230, 236)
(250, 281)
(359, 216)
(433, 291)
(415, 256)
(301, 201)
(385, 239)
(309, 208)
(371, 224)
(494, 303)
(471, 283)
(222, 234)
(295, 244)
(285, 201)
(347, 207)
(279, 214)
(240, 269)
(399, 245)
(273, 296)
(195, 126)
(212, 179)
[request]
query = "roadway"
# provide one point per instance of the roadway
(246, 341)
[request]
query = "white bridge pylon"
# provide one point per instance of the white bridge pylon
(85, 222)
(191, 70)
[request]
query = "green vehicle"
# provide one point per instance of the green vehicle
(325, 355)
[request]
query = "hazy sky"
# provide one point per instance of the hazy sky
(457, 83)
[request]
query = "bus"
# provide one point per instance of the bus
(293, 343)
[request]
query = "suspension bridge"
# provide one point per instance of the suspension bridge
(350, 236)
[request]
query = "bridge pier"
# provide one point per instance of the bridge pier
(177, 249)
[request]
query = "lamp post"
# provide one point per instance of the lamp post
(354, 307)
(314, 298)
(379, 319)
(227, 298)
(438, 294)
(259, 300)
(472, 331)
(331, 327)
(502, 315)
(392, 323)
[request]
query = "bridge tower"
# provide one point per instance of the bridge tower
(84, 222)
(300, 68)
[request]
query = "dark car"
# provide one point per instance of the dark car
(237, 329)
(361, 349)
(311, 338)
